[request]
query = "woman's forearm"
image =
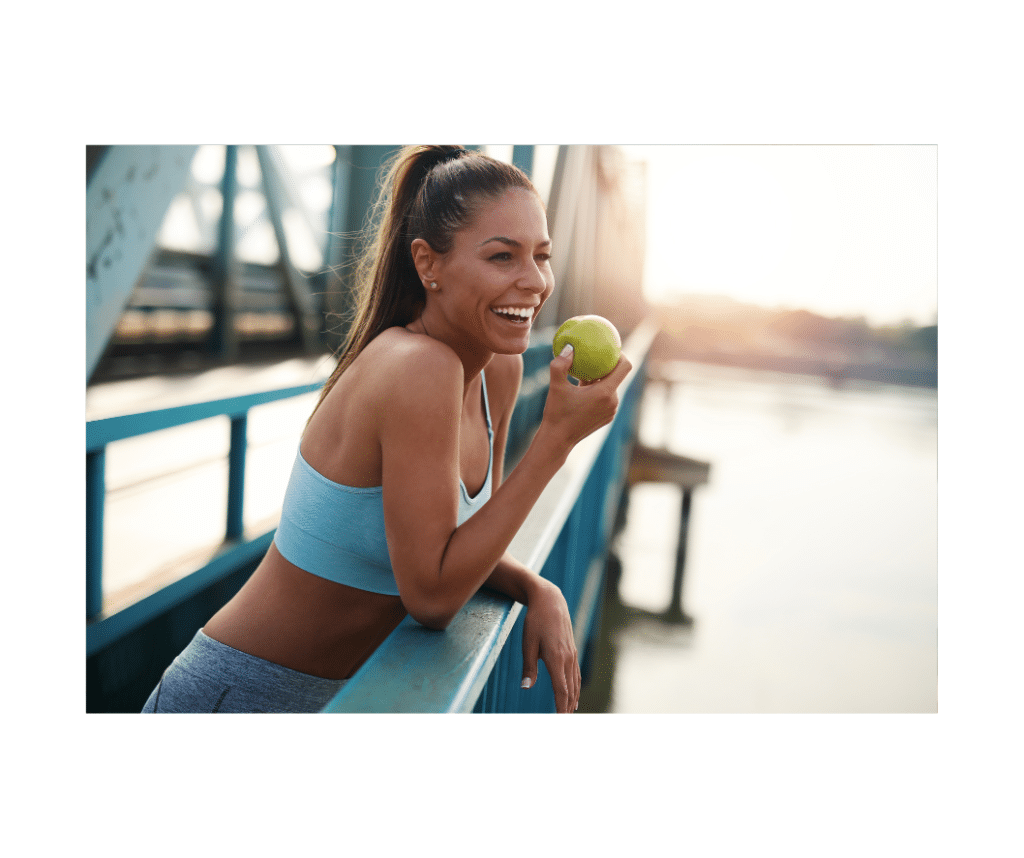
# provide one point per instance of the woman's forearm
(477, 547)
(511, 578)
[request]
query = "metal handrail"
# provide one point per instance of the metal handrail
(236, 551)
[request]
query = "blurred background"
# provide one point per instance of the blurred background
(795, 374)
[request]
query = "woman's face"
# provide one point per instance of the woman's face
(496, 277)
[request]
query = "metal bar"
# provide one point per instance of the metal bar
(224, 340)
(522, 157)
(330, 282)
(303, 302)
(99, 433)
(363, 167)
(339, 206)
(104, 632)
(454, 685)
(95, 498)
(337, 219)
(675, 608)
(236, 477)
(127, 197)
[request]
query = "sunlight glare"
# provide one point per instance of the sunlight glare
(724, 226)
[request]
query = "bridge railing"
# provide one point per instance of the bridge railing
(101, 630)
(555, 538)
(475, 665)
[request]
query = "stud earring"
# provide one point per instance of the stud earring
(433, 285)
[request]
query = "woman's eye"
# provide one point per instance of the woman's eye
(501, 257)
(544, 257)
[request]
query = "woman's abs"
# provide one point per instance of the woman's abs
(301, 621)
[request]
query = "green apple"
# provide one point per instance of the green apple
(596, 346)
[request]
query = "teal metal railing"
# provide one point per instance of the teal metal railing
(475, 665)
(236, 551)
(565, 538)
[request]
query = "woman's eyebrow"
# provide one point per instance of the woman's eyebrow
(511, 242)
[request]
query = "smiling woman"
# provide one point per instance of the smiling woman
(397, 502)
(498, 269)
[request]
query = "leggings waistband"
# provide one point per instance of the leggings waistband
(209, 676)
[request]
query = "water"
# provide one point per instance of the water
(811, 567)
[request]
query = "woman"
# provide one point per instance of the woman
(397, 502)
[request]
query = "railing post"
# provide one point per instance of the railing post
(95, 497)
(236, 476)
(675, 611)
(224, 340)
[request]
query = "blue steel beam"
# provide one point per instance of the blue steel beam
(95, 497)
(329, 281)
(307, 315)
(126, 200)
(339, 206)
(360, 167)
(224, 340)
(522, 157)
(236, 476)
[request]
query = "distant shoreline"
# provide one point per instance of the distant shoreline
(716, 330)
(835, 373)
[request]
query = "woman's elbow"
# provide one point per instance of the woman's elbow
(435, 623)
(434, 614)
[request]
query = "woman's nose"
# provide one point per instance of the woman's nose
(534, 280)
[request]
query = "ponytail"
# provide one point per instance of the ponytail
(428, 192)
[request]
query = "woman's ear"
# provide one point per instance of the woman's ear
(423, 258)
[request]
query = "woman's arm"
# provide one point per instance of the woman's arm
(438, 565)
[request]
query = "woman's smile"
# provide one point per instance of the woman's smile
(515, 315)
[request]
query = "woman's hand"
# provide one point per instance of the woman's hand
(575, 411)
(547, 634)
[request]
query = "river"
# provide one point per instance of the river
(812, 563)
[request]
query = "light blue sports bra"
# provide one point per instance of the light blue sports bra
(337, 532)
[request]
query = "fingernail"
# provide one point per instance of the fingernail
(526, 683)
(566, 351)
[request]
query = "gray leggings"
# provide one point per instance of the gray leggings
(209, 676)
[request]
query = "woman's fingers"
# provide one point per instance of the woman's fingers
(567, 691)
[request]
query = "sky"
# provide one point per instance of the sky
(838, 230)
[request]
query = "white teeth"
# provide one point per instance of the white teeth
(515, 312)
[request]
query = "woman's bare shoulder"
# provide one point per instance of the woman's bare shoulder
(406, 368)
(402, 352)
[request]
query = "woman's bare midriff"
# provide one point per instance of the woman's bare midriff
(285, 615)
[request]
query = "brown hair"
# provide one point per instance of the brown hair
(428, 192)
